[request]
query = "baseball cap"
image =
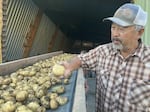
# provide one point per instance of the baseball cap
(129, 14)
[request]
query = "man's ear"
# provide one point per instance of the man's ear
(140, 33)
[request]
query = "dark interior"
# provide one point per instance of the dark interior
(81, 19)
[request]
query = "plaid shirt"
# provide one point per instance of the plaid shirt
(123, 84)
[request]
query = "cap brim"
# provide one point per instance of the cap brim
(117, 21)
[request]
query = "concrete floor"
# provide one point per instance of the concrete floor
(90, 95)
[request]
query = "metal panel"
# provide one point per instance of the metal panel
(80, 98)
(3, 39)
(58, 41)
(43, 36)
(12, 66)
(1, 26)
(20, 14)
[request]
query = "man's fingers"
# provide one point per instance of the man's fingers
(67, 70)
(67, 73)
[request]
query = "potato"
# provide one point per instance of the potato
(52, 95)
(1, 80)
(8, 107)
(41, 109)
(62, 100)
(53, 104)
(41, 91)
(58, 89)
(45, 101)
(32, 73)
(21, 95)
(33, 106)
(7, 81)
(1, 101)
(55, 80)
(66, 81)
(24, 72)
(47, 84)
(35, 87)
(58, 70)
(23, 108)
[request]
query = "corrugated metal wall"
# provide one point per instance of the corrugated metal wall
(21, 15)
(3, 38)
(43, 36)
(1, 25)
(58, 41)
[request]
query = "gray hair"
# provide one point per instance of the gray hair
(138, 27)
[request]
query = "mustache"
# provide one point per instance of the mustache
(116, 39)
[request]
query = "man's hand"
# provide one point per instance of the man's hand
(71, 65)
(68, 71)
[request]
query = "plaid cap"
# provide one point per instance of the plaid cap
(129, 14)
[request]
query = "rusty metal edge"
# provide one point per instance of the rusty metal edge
(9, 67)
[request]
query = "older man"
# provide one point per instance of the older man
(123, 66)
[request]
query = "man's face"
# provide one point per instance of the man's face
(123, 38)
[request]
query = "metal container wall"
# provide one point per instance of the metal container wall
(12, 66)
(59, 41)
(43, 36)
(20, 14)
(1, 26)
(3, 35)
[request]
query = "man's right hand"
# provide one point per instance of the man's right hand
(71, 65)
(67, 69)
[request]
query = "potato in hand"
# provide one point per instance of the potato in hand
(58, 70)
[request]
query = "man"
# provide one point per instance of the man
(123, 66)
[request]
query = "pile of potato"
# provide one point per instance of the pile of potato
(35, 88)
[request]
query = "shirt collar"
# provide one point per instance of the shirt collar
(138, 52)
